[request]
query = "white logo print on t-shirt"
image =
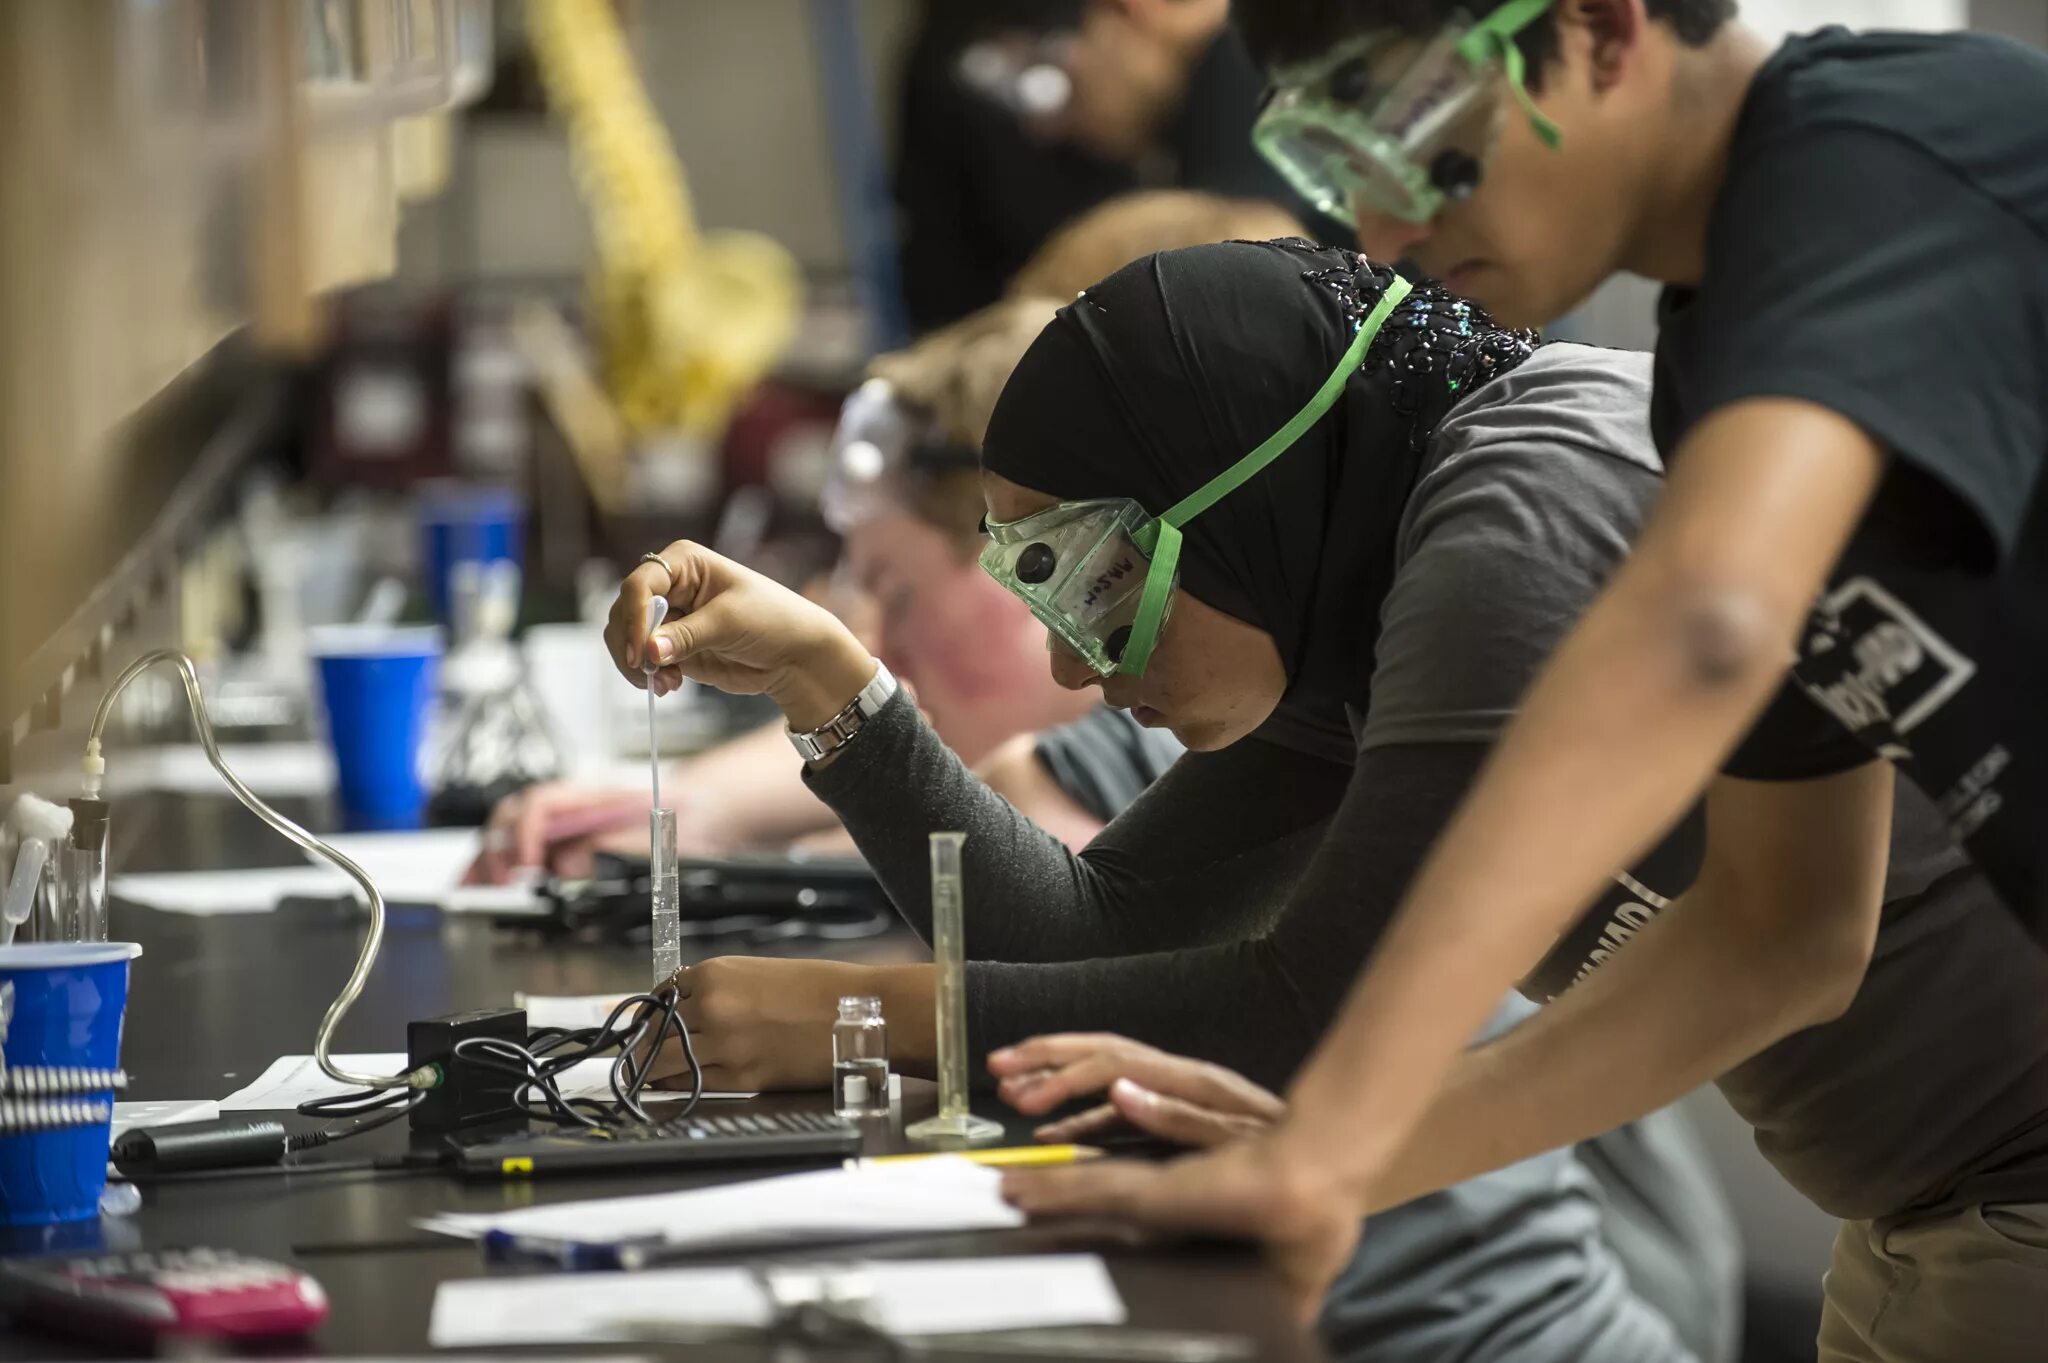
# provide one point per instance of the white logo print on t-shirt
(1878, 667)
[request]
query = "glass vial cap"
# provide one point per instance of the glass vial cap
(856, 1008)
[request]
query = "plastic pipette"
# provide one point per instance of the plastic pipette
(44, 828)
(657, 611)
(21, 890)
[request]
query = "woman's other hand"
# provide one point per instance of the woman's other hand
(1189, 1102)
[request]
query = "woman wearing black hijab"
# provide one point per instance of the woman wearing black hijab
(1363, 609)
(1352, 623)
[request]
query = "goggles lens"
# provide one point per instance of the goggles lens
(1338, 169)
(1395, 126)
(1080, 570)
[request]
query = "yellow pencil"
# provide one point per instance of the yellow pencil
(1008, 1155)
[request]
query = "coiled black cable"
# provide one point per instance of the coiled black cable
(238, 1143)
(551, 1052)
(638, 1027)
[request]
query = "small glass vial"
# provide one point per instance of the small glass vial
(860, 1059)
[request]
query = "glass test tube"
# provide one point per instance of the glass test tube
(664, 880)
(81, 867)
(954, 1124)
(52, 917)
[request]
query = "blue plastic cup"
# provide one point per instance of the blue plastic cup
(65, 1010)
(377, 685)
(466, 523)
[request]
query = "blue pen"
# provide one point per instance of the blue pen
(574, 1255)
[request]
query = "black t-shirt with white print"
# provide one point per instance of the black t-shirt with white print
(1880, 248)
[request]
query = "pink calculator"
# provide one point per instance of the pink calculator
(175, 1293)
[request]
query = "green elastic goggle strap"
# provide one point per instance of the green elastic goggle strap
(1494, 36)
(1160, 537)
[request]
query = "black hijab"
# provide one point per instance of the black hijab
(1178, 365)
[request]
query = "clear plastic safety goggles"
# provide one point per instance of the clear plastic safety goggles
(880, 448)
(870, 446)
(1397, 126)
(1100, 574)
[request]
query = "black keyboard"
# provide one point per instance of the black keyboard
(698, 1139)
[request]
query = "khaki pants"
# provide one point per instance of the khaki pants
(1966, 1287)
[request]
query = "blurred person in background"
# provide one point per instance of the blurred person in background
(967, 649)
(1153, 93)
(1848, 389)
(1167, 87)
(1389, 571)
(978, 187)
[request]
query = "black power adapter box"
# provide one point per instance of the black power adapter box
(469, 1093)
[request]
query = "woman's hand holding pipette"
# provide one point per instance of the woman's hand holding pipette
(734, 629)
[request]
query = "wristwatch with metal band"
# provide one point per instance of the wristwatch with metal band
(838, 731)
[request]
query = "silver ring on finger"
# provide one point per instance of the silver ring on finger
(651, 557)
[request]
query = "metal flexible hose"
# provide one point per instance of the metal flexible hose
(366, 959)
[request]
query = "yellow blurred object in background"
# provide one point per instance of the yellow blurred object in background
(421, 148)
(687, 321)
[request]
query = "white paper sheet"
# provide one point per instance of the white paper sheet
(910, 1297)
(295, 1079)
(569, 1011)
(424, 867)
(428, 857)
(577, 1307)
(922, 1197)
(127, 1115)
(204, 894)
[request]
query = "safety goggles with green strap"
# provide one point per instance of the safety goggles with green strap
(1100, 574)
(1400, 126)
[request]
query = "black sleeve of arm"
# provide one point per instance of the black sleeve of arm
(1257, 1004)
(1260, 1004)
(1795, 740)
(1853, 269)
(1196, 858)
